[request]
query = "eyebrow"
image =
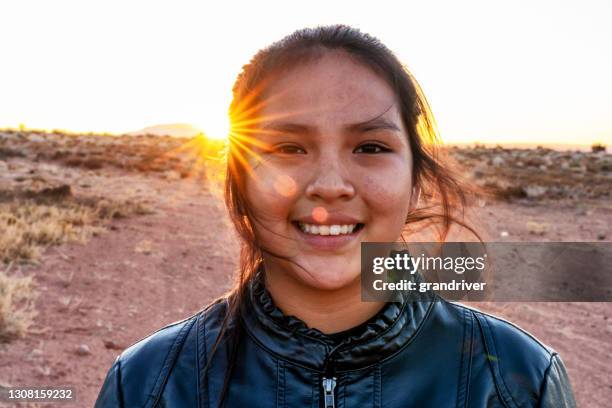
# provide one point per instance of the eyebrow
(377, 123)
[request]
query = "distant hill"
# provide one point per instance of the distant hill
(173, 129)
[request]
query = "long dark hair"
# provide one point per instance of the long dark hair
(444, 196)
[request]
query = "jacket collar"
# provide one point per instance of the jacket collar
(289, 338)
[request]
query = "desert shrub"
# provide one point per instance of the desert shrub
(503, 192)
(28, 226)
(73, 161)
(92, 163)
(6, 152)
(33, 220)
(17, 310)
(598, 147)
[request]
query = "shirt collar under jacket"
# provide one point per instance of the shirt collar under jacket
(289, 338)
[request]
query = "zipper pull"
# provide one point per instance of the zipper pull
(329, 384)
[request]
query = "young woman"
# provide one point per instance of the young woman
(333, 144)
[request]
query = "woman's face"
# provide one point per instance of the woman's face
(333, 169)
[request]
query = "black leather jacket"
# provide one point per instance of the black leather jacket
(411, 354)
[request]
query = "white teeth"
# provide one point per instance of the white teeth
(327, 229)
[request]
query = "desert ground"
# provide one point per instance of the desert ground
(151, 244)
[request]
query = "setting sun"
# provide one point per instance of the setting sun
(218, 127)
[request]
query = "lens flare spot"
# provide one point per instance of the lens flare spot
(285, 186)
(319, 214)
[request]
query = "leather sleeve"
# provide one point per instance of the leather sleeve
(110, 394)
(556, 389)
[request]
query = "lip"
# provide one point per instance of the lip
(328, 242)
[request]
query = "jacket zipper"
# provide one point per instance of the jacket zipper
(329, 384)
(329, 380)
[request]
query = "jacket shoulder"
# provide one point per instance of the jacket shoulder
(520, 364)
(138, 374)
(510, 339)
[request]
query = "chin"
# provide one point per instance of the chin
(329, 277)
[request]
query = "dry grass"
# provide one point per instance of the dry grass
(538, 174)
(17, 310)
(32, 221)
(147, 154)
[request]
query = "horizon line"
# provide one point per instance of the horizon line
(202, 132)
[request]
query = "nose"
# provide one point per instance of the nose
(331, 181)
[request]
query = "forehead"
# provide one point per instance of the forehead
(332, 88)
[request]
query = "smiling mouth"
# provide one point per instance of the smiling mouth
(332, 229)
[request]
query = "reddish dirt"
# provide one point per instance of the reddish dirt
(151, 270)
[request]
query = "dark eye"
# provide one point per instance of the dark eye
(372, 148)
(289, 149)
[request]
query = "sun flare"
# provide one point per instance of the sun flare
(218, 128)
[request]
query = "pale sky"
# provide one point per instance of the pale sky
(514, 71)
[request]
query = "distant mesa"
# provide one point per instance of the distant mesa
(174, 130)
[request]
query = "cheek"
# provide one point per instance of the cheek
(271, 197)
(387, 194)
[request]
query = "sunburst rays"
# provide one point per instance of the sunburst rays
(207, 159)
(246, 145)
